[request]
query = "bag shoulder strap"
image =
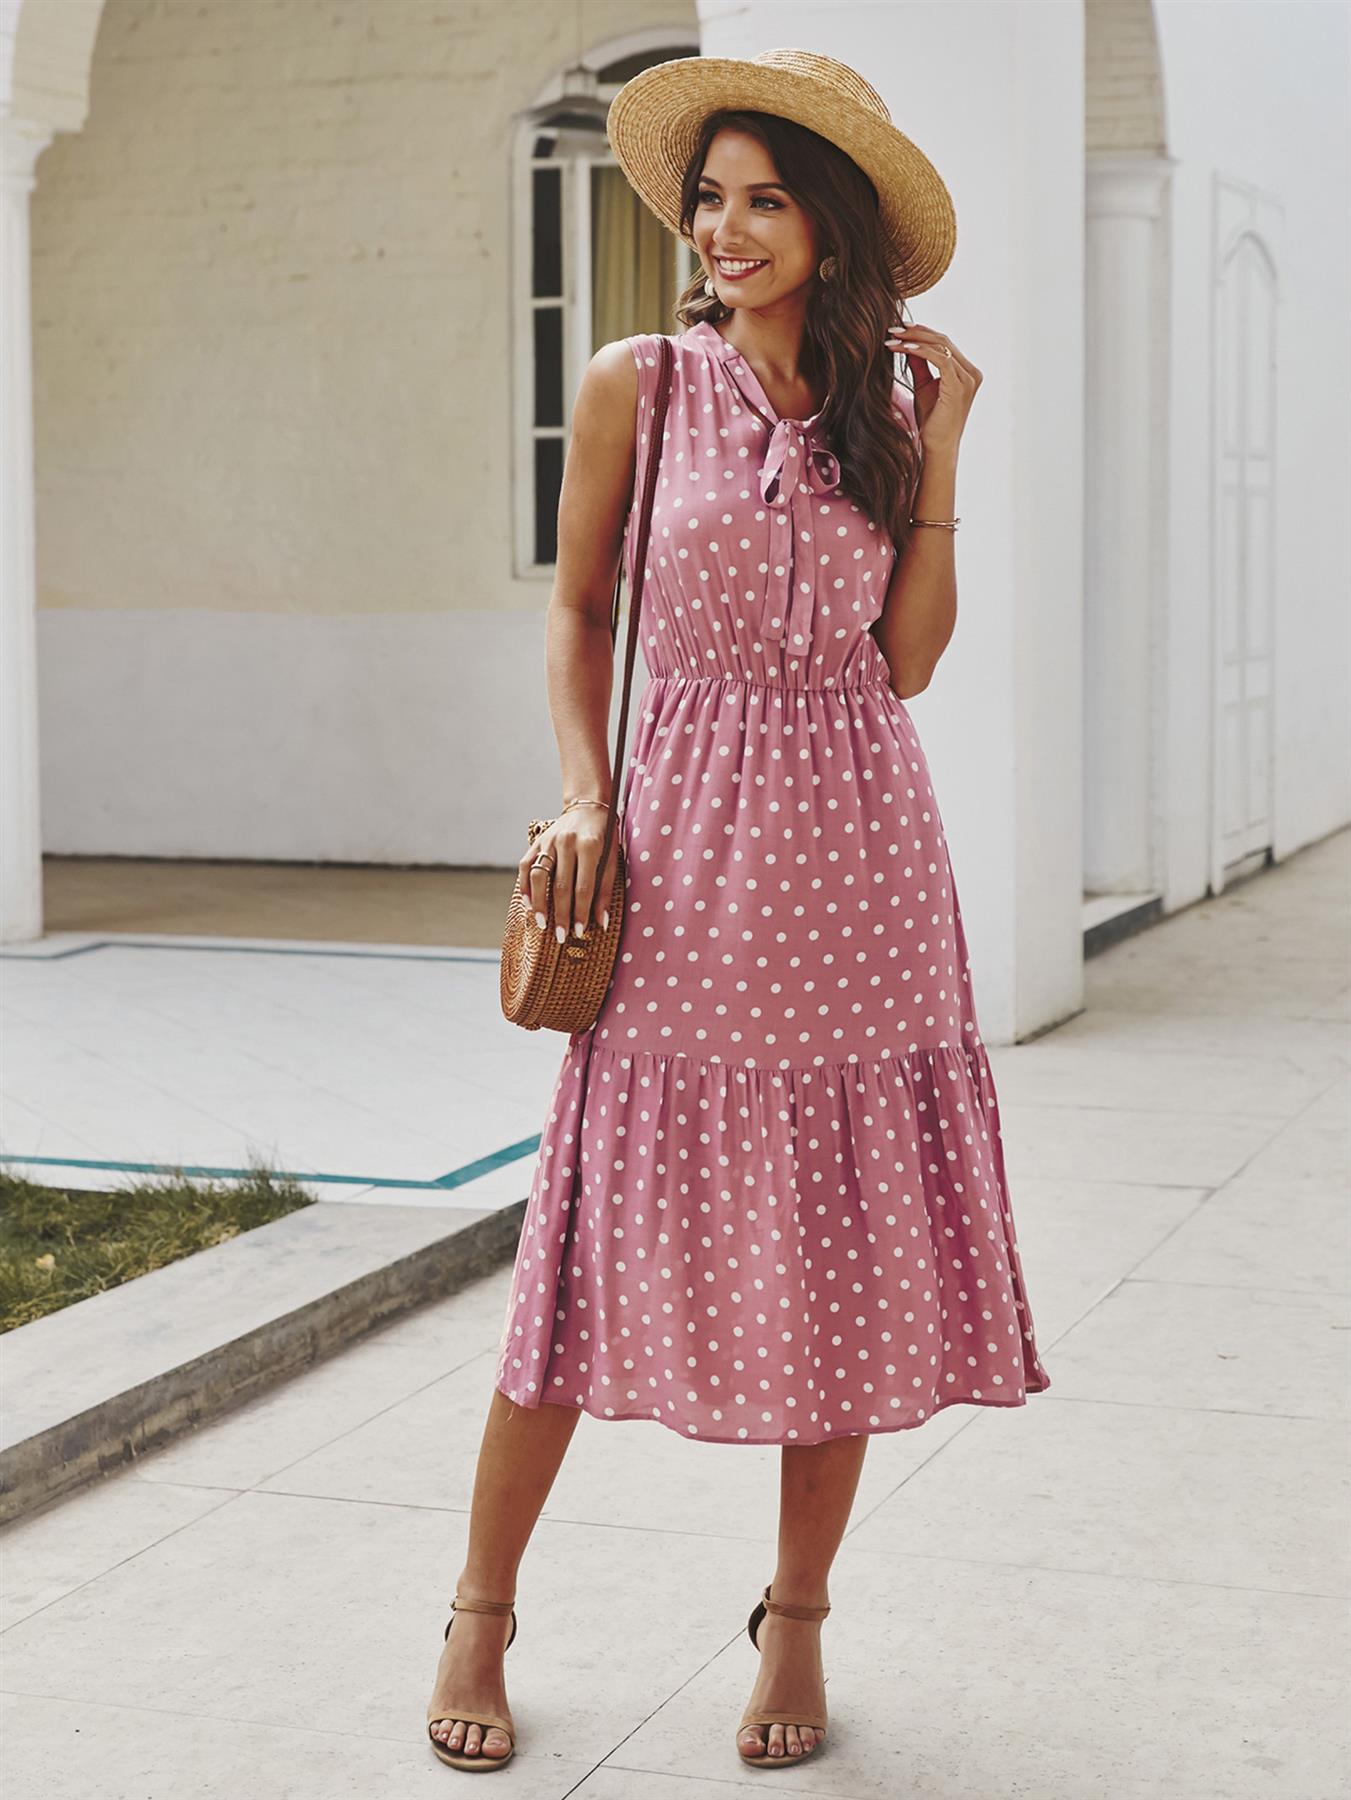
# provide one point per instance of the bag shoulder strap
(654, 442)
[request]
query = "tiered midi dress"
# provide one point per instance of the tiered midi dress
(769, 1204)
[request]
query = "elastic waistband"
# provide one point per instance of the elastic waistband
(778, 687)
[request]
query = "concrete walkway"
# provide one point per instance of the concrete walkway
(1133, 1587)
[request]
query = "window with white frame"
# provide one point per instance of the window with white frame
(593, 265)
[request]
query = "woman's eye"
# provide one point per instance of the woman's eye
(707, 195)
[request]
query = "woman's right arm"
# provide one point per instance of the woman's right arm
(593, 503)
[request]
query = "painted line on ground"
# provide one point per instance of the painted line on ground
(472, 1171)
(484, 961)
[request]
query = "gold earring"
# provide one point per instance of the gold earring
(827, 269)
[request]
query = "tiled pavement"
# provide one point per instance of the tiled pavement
(1135, 1586)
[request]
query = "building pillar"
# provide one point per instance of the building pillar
(21, 143)
(1125, 686)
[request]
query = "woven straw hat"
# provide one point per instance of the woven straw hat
(654, 120)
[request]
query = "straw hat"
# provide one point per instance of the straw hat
(654, 120)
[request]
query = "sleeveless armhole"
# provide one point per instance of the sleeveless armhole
(644, 347)
(903, 404)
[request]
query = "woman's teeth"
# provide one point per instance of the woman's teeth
(734, 270)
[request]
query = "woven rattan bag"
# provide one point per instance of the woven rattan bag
(562, 985)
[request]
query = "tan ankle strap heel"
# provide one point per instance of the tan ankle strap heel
(460, 1759)
(789, 1712)
(792, 1612)
(503, 1609)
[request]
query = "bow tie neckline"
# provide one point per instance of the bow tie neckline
(797, 457)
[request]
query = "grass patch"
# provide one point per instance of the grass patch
(59, 1245)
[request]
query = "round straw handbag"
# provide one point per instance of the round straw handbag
(562, 985)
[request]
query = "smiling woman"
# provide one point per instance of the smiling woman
(770, 1204)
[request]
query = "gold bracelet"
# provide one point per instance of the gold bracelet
(947, 524)
(580, 801)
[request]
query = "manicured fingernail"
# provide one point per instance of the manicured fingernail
(605, 920)
(560, 932)
(578, 928)
(540, 920)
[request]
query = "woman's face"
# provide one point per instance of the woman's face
(745, 215)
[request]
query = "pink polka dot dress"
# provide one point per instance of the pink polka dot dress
(769, 1204)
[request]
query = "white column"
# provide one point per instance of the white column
(21, 143)
(1125, 354)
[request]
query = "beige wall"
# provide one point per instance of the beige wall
(271, 296)
(1123, 81)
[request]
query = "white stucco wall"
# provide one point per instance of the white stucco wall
(1256, 100)
(273, 356)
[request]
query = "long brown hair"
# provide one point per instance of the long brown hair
(848, 316)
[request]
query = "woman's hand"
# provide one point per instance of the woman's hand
(574, 840)
(942, 401)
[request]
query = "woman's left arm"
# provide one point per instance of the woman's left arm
(920, 611)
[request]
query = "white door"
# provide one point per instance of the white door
(1244, 559)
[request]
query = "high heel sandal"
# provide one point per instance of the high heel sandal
(785, 1715)
(460, 1759)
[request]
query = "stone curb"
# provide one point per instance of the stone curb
(38, 1465)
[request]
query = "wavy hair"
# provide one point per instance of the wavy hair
(848, 316)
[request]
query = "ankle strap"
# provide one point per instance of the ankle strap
(501, 1607)
(793, 1612)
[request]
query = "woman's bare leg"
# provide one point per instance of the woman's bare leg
(817, 1483)
(521, 1452)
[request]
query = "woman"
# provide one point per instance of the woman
(770, 1204)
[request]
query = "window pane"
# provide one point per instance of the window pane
(548, 485)
(632, 265)
(548, 365)
(547, 227)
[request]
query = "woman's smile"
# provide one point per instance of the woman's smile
(738, 268)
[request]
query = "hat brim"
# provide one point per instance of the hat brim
(654, 121)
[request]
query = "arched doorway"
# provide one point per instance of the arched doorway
(1242, 599)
